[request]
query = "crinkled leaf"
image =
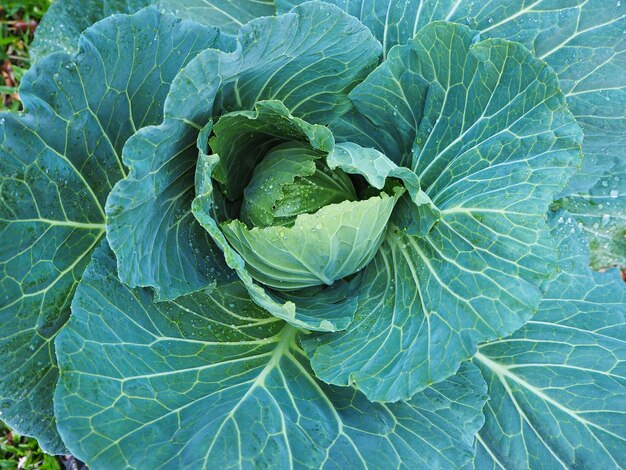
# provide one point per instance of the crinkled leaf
(288, 58)
(376, 168)
(211, 381)
(320, 248)
(582, 40)
(602, 215)
(241, 139)
(330, 309)
(497, 143)
(58, 163)
(557, 387)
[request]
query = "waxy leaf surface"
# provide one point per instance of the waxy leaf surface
(601, 212)
(557, 387)
(309, 59)
(494, 144)
(582, 40)
(211, 381)
(58, 163)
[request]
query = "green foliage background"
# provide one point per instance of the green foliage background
(18, 18)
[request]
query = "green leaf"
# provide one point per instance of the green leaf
(58, 163)
(582, 40)
(292, 179)
(602, 215)
(241, 139)
(389, 107)
(228, 15)
(286, 58)
(211, 381)
(149, 221)
(497, 143)
(65, 21)
(330, 309)
(376, 168)
(557, 387)
(320, 248)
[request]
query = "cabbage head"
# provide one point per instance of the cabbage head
(284, 234)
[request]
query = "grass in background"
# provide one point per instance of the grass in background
(18, 20)
(17, 452)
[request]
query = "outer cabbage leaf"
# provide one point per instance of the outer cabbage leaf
(58, 163)
(602, 214)
(228, 15)
(557, 387)
(494, 145)
(211, 381)
(65, 20)
(582, 40)
(288, 58)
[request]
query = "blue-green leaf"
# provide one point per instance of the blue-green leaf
(287, 58)
(65, 21)
(211, 381)
(376, 168)
(495, 144)
(58, 163)
(602, 215)
(582, 40)
(557, 387)
(228, 15)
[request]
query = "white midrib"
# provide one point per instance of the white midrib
(282, 348)
(323, 396)
(523, 11)
(504, 372)
(489, 451)
(58, 223)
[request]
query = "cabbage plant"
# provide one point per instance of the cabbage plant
(284, 234)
